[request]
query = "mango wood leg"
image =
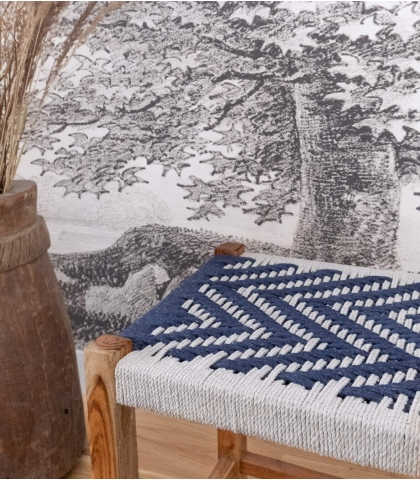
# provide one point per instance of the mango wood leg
(112, 427)
(230, 248)
(231, 446)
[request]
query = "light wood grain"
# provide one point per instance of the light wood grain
(261, 466)
(112, 428)
(225, 468)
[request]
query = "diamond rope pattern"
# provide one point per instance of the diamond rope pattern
(304, 326)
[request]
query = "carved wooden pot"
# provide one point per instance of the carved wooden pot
(42, 429)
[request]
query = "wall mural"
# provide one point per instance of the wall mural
(294, 126)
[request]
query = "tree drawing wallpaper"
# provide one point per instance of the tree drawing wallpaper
(292, 126)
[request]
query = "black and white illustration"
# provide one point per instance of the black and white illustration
(293, 126)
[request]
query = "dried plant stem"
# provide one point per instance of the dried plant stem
(25, 30)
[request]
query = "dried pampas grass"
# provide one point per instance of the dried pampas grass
(26, 28)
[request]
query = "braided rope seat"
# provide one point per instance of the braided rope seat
(317, 356)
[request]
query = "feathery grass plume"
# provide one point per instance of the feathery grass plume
(26, 29)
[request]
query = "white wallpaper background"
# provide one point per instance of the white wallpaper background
(293, 126)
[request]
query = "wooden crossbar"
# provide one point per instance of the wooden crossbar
(266, 467)
(235, 461)
(260, 466)
(225, 468)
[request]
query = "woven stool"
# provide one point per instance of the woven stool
(313, 355)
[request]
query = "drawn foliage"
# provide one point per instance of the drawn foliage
(307, 104)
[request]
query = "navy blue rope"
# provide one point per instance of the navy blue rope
(170, 313)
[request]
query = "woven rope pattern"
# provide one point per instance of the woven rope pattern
(326, 338)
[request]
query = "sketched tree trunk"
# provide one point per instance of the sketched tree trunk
(349, 190)
(310, 103)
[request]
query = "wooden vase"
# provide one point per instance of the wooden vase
(42, 429)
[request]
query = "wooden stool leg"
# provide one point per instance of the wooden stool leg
(231, 446)
(230, 248)
(112, 427)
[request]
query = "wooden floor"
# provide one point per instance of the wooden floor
(173, 448)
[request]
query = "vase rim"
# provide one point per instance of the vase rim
(19, 186)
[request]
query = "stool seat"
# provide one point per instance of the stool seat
(317, 356)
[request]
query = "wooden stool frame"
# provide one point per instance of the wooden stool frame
(112, 427)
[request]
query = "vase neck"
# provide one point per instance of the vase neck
(18, 207)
